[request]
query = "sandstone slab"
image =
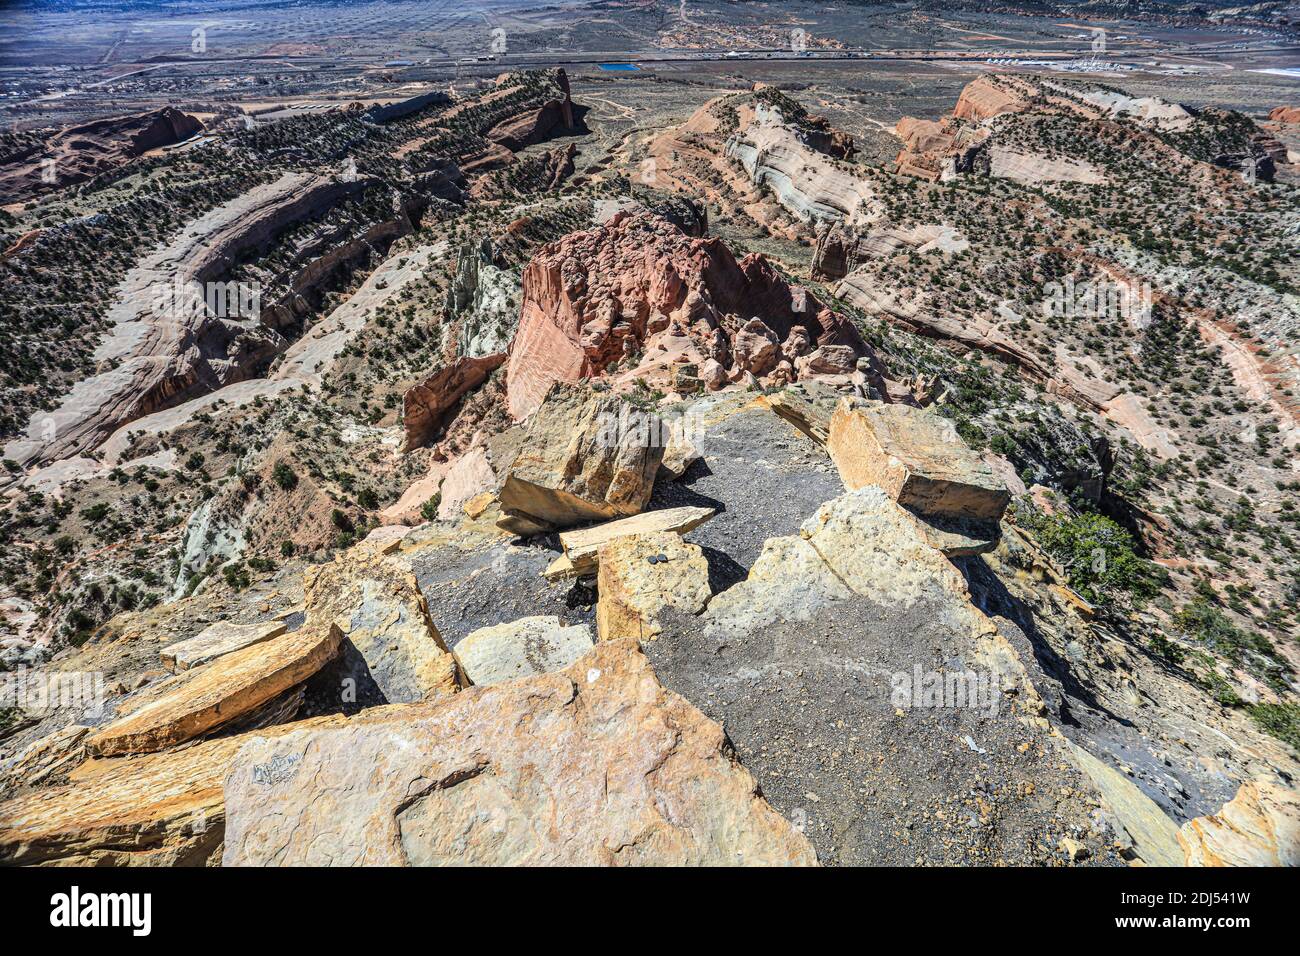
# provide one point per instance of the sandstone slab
(220, 692)
(594, 765)
(808, 408)
(217, 640)
(376, 603)
(643, 575)
(470, 475)
(1260, 826)
(582, 546)
(918, 458)
(161, 809)
(523, 648)
(788, 582)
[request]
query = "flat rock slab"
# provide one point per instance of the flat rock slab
(595, 765)
(163, 809)
(523, 648)
(1260, 826)
(221, 638)
(917, 457)
(219, 692)
(581, 546)
(643, 575)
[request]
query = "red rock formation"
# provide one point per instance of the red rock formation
(82, 152)
(425, 406)
(1285, 114)
(640, 289)
(985, 98)
(536, 125)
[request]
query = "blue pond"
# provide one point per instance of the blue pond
(619, 67)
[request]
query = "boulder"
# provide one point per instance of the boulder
(587, 456)
(1260, 826)
(918, 458)
(756, 348)
(679, 454)
(376, 603)
(217, 640)
(595, 765)
(581, 546)
(219, 692)
(713, 375)
(828, 360)
(643, 575)
(522, 648)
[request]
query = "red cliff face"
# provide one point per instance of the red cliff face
(84, 151)
(987, 97)
(553, 117)
(640, 293)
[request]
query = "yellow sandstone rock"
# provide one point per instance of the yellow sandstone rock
(163, 809)
(587, 456)
(217, 640)
(376, 602)
(642, 575)
(594, 765)
(1260, 826)
(917, 457)
(581, 546)
(219, 692)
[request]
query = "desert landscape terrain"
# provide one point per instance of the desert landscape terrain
(638, 432)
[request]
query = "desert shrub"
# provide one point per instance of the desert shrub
(236, 576)
(1097, 556)
(1280, 720)
(284, 476)
(1204, 623)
